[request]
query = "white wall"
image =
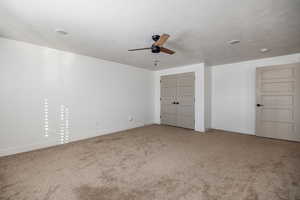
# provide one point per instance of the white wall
(199, 70)
(101, 95)
(233, 93)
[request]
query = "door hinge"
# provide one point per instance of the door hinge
(160, 98)
(160, 116)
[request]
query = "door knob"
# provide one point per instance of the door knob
(259, 105)
(177, 102)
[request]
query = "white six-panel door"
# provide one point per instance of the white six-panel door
(278, 102)
(177, 100)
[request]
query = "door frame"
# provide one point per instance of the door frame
(194, 85)
(199, 93)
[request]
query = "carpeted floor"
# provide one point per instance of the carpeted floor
(156, 163)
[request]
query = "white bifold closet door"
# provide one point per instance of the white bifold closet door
(178, 100)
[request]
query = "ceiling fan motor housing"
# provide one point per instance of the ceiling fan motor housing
(155, 37)
(155, 49)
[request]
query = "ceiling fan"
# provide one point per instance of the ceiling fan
(157, 46)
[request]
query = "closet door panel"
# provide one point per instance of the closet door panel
(185, 100)
(168, 113)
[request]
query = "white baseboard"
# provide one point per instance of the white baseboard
(246, 132)
(55, 142)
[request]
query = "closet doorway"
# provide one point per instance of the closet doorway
(178, 100)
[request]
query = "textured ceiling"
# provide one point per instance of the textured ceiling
(199, 29)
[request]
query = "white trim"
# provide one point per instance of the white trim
(199, 92)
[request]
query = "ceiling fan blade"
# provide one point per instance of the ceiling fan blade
(139, 49)
(165, 50)
(163, 38)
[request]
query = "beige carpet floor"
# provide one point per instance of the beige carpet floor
(156, 163)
